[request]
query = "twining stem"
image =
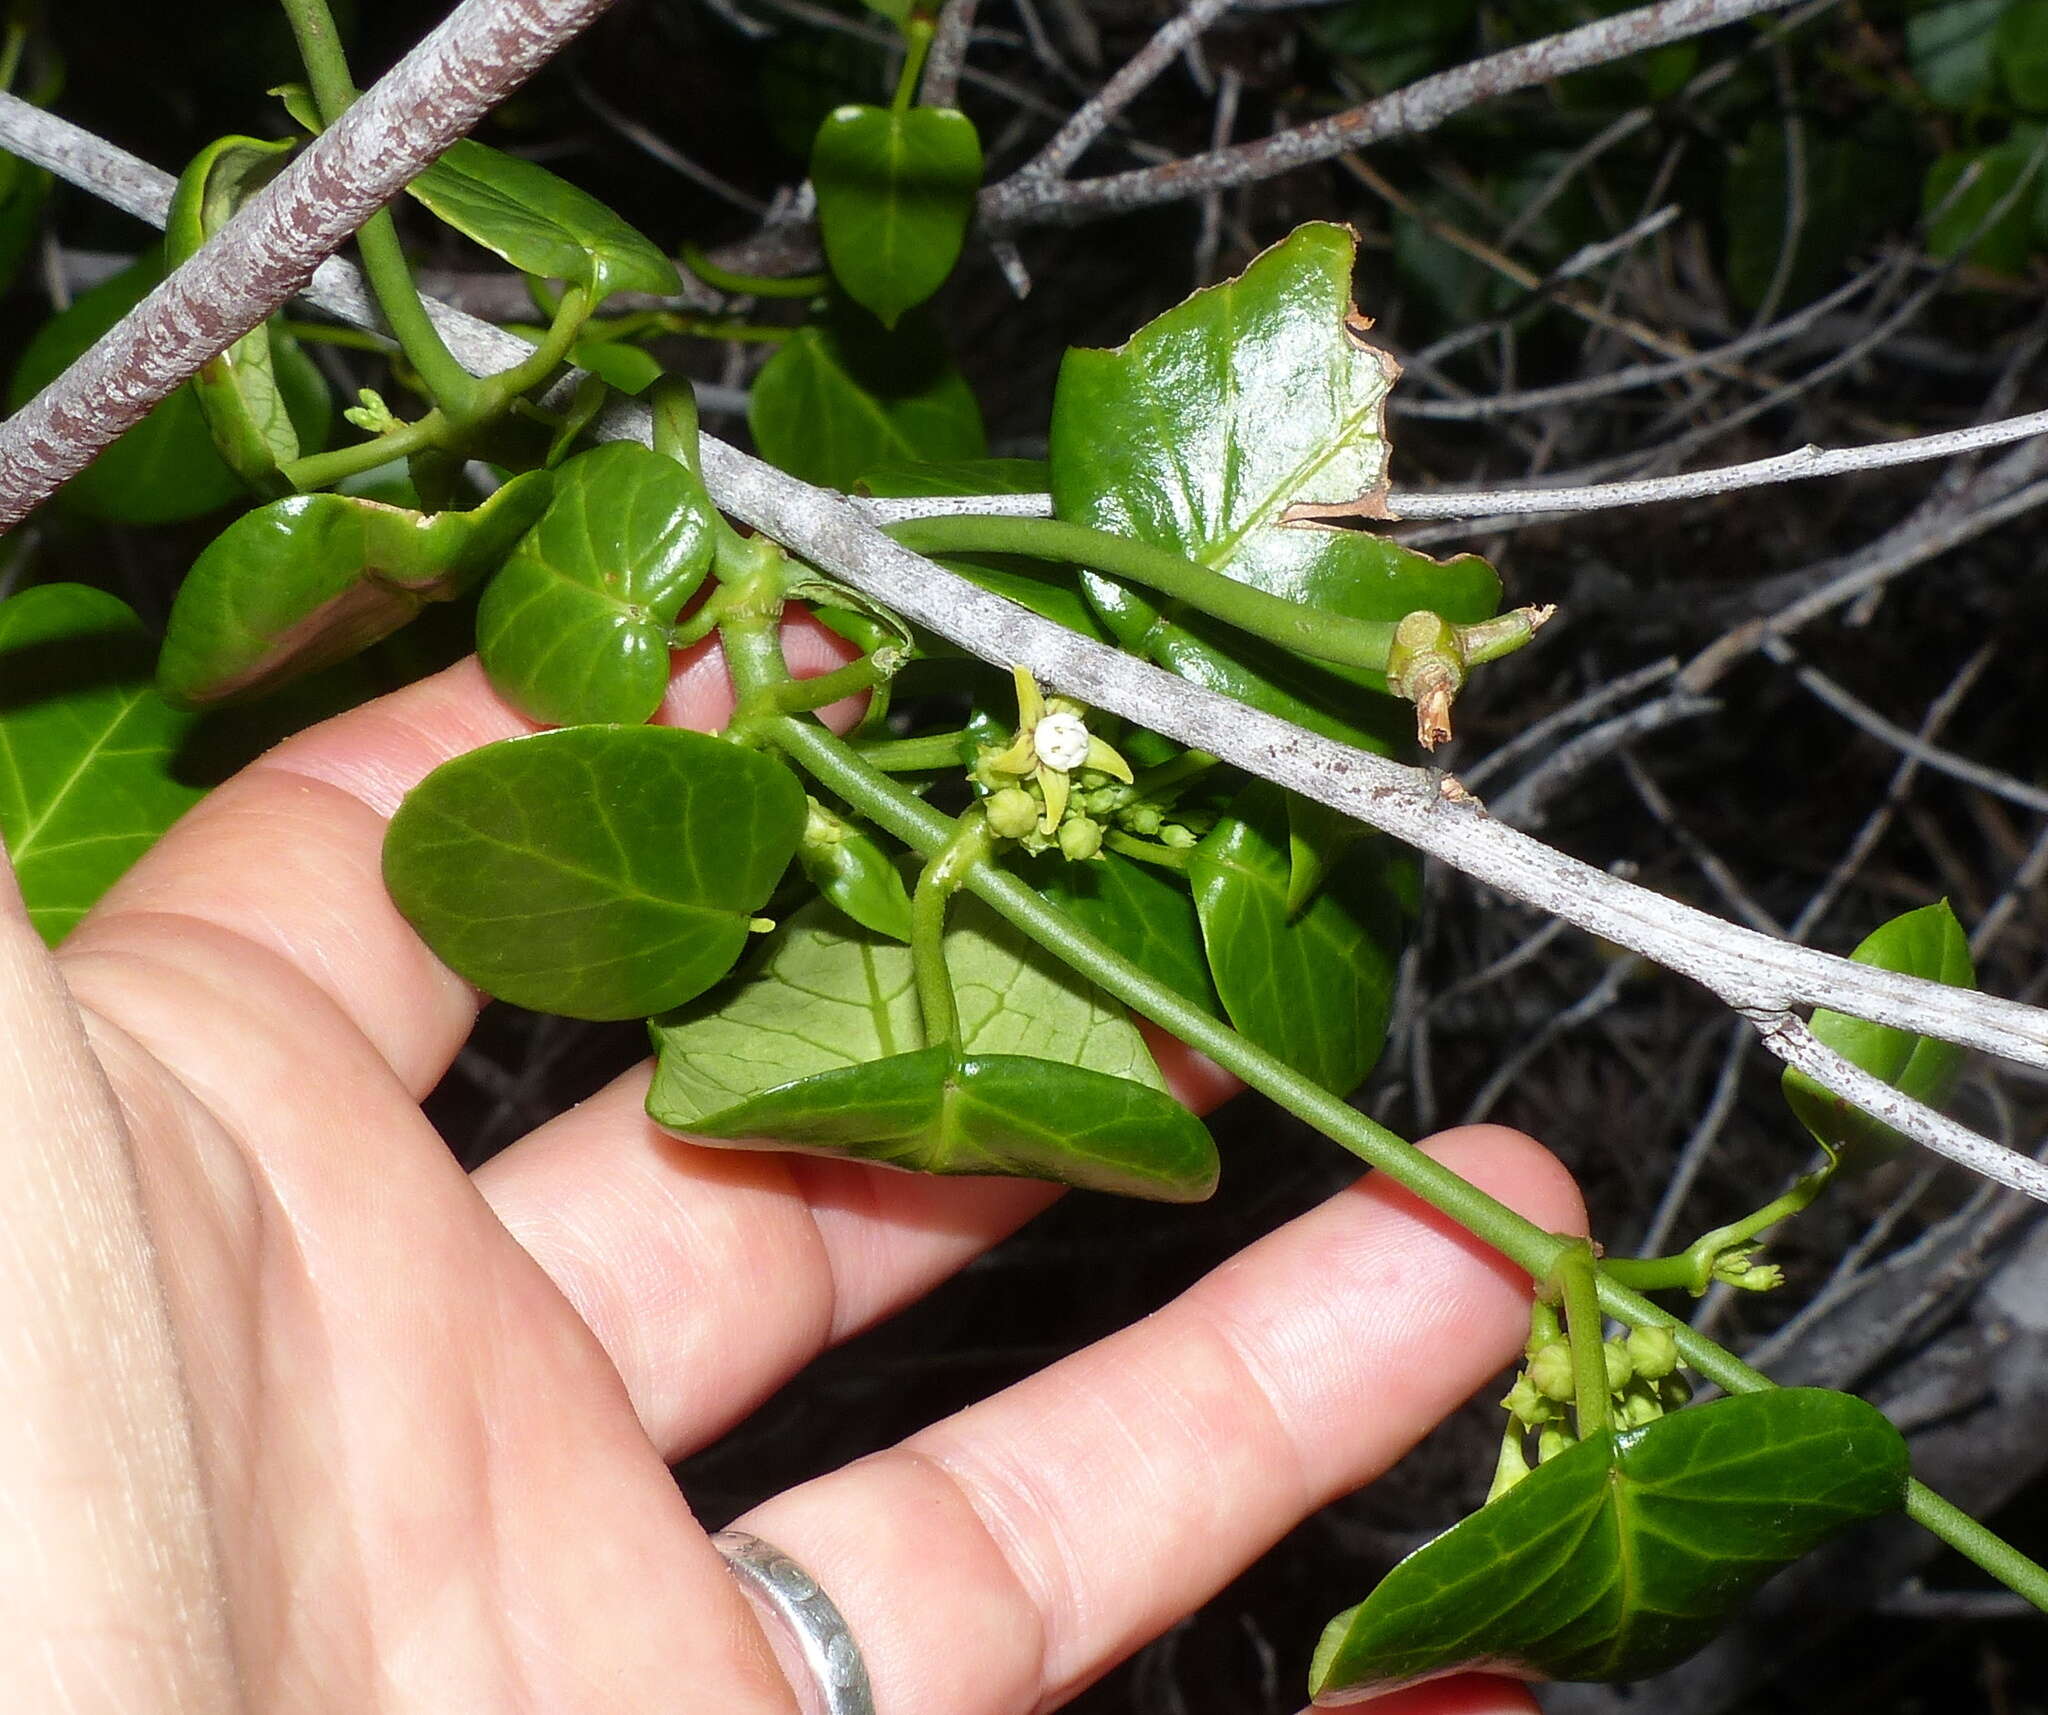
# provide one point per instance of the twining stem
(751, 285)
(940, 879)
(917, 42)
(793, 696)
(453, 388)
(1293, 626)
(840, 768)
(1575, 1281)
(1693, 1267)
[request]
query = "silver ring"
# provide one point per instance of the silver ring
(811, 1638)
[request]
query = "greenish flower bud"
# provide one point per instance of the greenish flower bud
(1143, 820)
(1637, 1406)
(1080, 839)
(1620, 1366)
(1526, 1405)
(1550, 1371)
(1737, 1269)
(1512, 1466)
(1654, 1351)
(1551, 1441)
(1012, 812)
(1175, 837)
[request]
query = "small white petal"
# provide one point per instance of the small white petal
(1061, 741)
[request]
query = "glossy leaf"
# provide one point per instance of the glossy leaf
(1622, 1555)
(836, 401)
(237, 390)
(1051, 591)
(300, 584)
(1139, 912)
(1232, 429)
(1315, 988)
(540, 223)
(821, 1049)
(855, 874)
(575, 627)
(599, 872)
(895, 194)
(1317, 836)
(88, 783)
(166, 468)
(1926, 943)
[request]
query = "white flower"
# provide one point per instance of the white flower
(1061, 741)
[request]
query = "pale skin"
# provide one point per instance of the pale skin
(301, 1418)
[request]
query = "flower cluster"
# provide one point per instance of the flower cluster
(1642, 1378)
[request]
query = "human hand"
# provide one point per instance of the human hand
(413, 1450)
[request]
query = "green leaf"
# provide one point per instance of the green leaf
(237, 390)
(1316, 988)
(1926, 943)
(1146, 916)
(23, 191)
(855, 874)
(895, 194)
(541, 224)
(599, 872)
(165, 468)
(86, 749)
(1231, 430)
(2022, 53)
(575, 627)
(821, 1049)
(300, 584)
(1317, 836)
(1621, 1556)
(837, 400)
(1052, 592)
(1950, 50)
(1987, 177)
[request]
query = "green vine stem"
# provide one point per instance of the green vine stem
(1694, 1267)
(1575, 1283)
(917, 42)
(841, 770)
(453, 388)
(1292, 625)
(940, 879)
(914, 755)
(750, 285)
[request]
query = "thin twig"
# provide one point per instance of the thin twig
(1032, 199)
(947, 56)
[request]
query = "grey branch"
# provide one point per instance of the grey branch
(1757, 974)
(266, 255)
(1027, 199)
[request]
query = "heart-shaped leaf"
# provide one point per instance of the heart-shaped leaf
(838, 400)
(166, 468)
(1622, 1555)
(796, 1052)
(1313, 987)
(575, 627)
(237, 390)
(598, 871)
(1926, 943)
(540, 223)
(895, 194)
(300, 584)
(1232, 430)
(88, 784)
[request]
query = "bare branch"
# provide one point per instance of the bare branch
(267, 253)
(1029, 200)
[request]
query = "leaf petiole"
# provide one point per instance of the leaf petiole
(941, 878)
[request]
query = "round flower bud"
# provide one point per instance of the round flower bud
(1654, 1352)
(1061, 741)
(1551, 1372)
(1620, 1367)
(1080, 839)
(1176, 837)
(1012, 812)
